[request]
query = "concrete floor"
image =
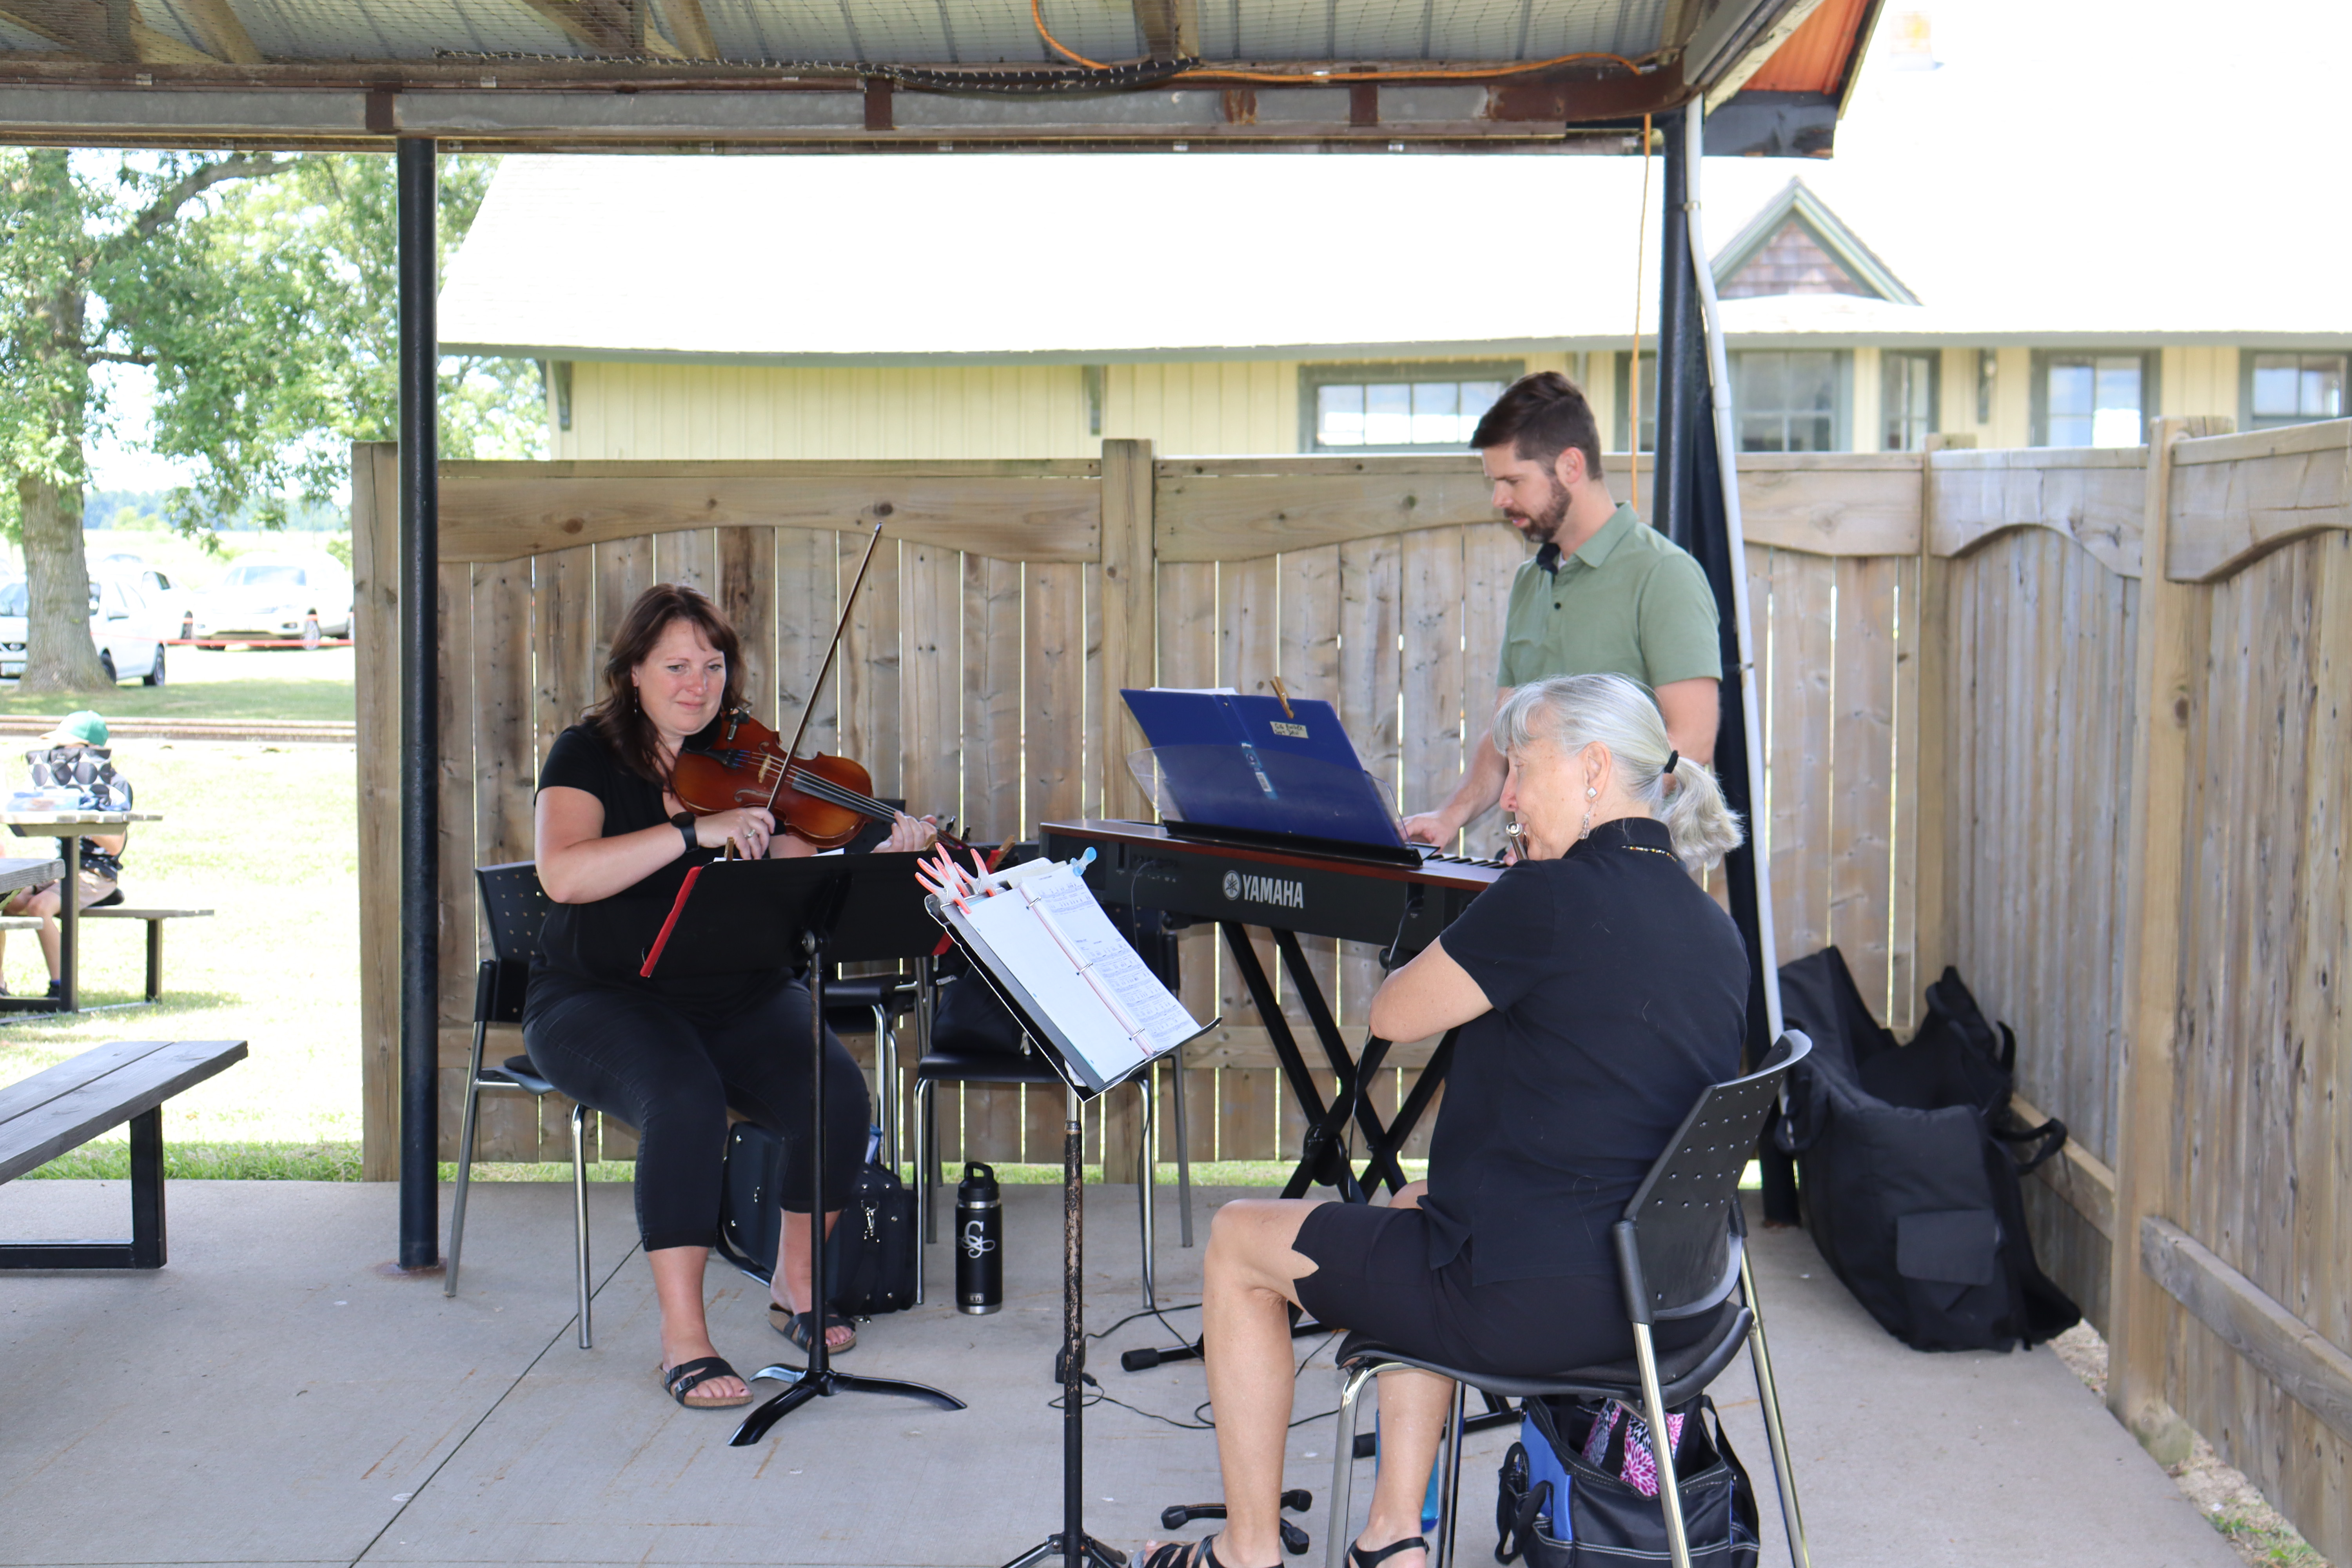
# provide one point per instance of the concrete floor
(270, 1398)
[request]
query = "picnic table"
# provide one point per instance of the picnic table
(69, 828)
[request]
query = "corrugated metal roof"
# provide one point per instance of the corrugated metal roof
(823, 74)
(900, 32)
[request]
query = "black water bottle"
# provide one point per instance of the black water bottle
(980, 1237)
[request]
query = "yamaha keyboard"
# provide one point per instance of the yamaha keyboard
(1312, 892)
(1294, 889)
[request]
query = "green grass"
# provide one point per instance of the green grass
(265, 835)
(2269, 1540)
(232, 683)
(111, 1162)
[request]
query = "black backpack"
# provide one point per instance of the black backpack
(1608, 1521)
(1906, 1168)
(870, 1258)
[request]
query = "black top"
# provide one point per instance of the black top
(607, 940)
(1620, 992)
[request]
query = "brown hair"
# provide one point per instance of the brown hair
(1542, 416)
(619, 721)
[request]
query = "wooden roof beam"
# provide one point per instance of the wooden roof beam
(221, 34)
(111, 30)
(691, 29)
(1170, 29)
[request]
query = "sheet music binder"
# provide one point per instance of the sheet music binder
(1074, 984)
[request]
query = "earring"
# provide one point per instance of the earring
(1586, 831)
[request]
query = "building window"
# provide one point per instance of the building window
(1789, 400)
(2293, 388)
(1397, 407)
(1626, 401)
(1907, 400)
(2092, 399)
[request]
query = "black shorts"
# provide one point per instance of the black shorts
(1372, 1275)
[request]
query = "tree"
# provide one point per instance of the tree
(261, 290)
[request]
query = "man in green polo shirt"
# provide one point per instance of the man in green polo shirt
(1605, 594)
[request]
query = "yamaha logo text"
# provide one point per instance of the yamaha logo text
(1265, 890)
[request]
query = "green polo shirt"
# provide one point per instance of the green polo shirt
(1630, 602)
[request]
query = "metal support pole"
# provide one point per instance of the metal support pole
(1751, 727)
(1681, 370)
(420, 739)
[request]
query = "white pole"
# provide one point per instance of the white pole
(1719, 374)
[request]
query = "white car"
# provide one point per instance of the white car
(176, 606)
(129, 631)
(270, 598)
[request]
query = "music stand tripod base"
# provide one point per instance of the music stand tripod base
(818, 1380)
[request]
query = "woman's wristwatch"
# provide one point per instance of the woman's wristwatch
(684, 823)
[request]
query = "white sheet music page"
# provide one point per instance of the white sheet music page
(1056, 940)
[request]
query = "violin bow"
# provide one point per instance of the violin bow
(808, 710)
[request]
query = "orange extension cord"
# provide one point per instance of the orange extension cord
(1037, 15)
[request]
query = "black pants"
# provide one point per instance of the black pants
(671, 1076)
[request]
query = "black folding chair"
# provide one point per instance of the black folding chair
(1681, 1254)
(942, 1062)
(514, 904)
(855, 1004)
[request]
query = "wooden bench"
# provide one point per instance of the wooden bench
(154, 918)
(64, 1107)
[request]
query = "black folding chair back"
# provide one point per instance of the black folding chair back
(1681, 1254)
(1684, 1225)
(514, 906)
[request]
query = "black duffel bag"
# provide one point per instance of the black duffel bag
(1906, 1165)
(870, 1258)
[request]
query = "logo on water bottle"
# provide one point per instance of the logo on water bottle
(975, 1239)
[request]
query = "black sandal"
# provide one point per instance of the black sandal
(1201, 1554)
(1363, 1559)
(689, 1376)
(795, 1327)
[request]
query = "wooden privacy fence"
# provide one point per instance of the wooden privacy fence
(1007, 605)
(1953, 654)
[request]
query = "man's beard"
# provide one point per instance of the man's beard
(1543, 525)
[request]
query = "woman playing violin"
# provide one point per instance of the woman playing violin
(668, 1056)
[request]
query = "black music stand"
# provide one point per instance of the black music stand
(833, 909)
(1071, 1543)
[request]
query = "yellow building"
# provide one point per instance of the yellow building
(986, 307)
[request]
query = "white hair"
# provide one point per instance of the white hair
(1573, 711)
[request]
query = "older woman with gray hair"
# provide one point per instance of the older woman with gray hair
(1598, 990)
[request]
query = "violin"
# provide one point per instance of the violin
(825, 799)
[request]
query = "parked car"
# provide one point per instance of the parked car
(265, 598)
(176, 606)
(129, 631)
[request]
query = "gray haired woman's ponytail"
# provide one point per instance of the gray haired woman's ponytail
(1573, 711)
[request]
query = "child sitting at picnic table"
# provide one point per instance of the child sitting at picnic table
(73, 761)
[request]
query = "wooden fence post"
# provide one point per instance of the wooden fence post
(1922, 769)
(1131, 636)
(2139, 1315)
(375, 627)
